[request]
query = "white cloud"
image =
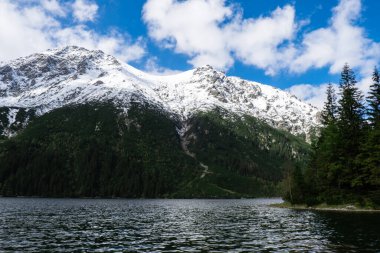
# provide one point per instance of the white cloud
(312, 94)
(54, 7)
(114, 43)
(84, 10)
(153, 68)
(364, 84)
(26, 29)
(213, 32)
(19, 33)
(343, 41)
(316, 94)
(258, 42)
(190, 27)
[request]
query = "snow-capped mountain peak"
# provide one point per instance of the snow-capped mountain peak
(72, 75)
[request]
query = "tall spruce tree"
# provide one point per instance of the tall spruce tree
(370, 155)
(325, 148)
(374, 100)
(317, 178)
(351, 106)
(330, 108)
(350, 128)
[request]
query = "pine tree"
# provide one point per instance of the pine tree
(351, 106)
(326, 147)
(330, 108)
(319, 177)
(370, 154)
(374, 100)
(350, 128)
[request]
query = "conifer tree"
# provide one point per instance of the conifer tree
(325, 148)
(369, 158)
(350, 128)
(351, 106)
(374, 100)
(330, 108)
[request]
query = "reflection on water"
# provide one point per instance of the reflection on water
(179, 226)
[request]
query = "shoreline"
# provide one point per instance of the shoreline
(326, 208)
(131, 198)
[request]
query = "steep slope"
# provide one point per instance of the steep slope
(75, 122)
(98, 150)
(75, 75)
(13, 119)
(95, 150)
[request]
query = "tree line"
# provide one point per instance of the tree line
(345, 163)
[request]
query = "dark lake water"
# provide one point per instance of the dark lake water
(179, 226)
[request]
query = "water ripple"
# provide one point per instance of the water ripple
(68, 225)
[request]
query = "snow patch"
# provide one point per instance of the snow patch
(74, 75)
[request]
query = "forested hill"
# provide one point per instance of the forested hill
(96, 149)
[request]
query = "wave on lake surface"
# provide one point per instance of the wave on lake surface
(179, 226)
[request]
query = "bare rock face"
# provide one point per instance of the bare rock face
(74, 75)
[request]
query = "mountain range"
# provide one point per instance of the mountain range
(76, 122)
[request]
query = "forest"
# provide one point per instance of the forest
(97, 150)
(344, 165)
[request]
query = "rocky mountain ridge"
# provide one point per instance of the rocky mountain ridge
(74, 75)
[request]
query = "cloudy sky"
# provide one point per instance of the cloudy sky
(294, 45)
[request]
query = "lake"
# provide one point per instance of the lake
(123, 225)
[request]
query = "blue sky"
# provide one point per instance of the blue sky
(293, 45)
(126, 15)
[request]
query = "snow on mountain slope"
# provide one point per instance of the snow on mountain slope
(75, 75)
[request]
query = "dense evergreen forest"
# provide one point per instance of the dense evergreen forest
(88, 150)
(98, 150)
(345, 163)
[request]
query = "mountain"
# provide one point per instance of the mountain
(76, 122)
(74, 75)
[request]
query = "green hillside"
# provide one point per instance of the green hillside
(98, 150)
